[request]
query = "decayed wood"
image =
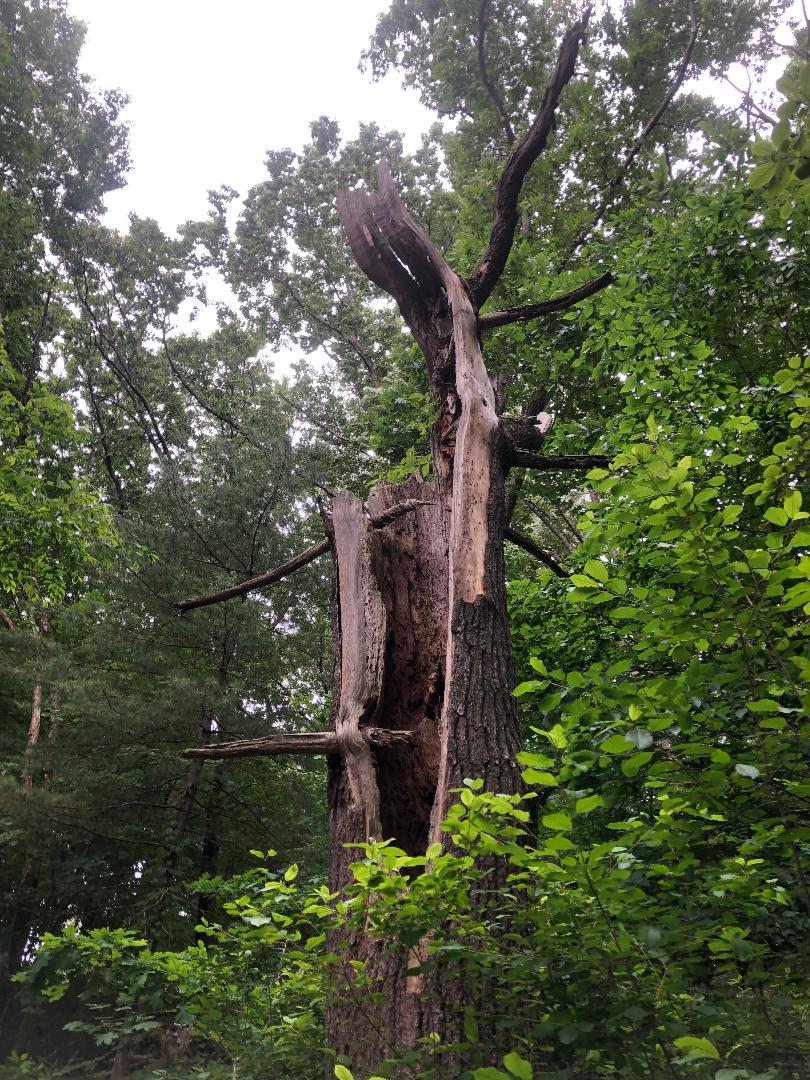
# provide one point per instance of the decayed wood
(271, 577)
(505, 215)
(299, 742)
(489, 319)
(363, 633)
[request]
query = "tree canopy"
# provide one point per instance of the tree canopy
(640, 905)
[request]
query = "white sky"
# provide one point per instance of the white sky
(215, 85)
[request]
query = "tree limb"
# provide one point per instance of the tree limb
(289, 567)
(635, 149)
(489, 319)
(524, 459)
(505, 217)
(302, 742)
(6, 620)
(521, 541)
(489, 85)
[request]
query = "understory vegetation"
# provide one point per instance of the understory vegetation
(171, 918)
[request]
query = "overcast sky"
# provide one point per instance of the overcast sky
(215, 85)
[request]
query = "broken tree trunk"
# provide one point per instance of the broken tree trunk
(420, 631)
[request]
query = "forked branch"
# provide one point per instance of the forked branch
(505, 217)
(486, 78)
(631, 155)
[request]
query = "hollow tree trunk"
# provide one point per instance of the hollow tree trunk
(422, 638)
(422, 663)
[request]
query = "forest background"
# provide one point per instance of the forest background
(662, 673)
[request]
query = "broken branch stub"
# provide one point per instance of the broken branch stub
(309, 743)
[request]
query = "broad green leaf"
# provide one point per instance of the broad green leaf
(544, 779)
(518, 1066)
(597, 570)
(560, 822)
(589, 803)
(616, 744)
(697, 1047)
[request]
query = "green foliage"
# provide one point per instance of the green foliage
(251, 988)
(52, 524)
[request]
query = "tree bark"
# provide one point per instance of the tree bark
(421, 636)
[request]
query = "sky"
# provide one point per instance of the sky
(215, 85)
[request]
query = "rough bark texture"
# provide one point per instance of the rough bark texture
(422, 659)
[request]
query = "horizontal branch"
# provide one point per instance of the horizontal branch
(524, 459)
(303, 742)
(290, 567)
(521, 541)
(489, 319)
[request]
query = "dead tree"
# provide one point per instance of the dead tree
(423, 671)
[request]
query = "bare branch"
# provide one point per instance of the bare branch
(290, 567)
(505, 217)
(521, 541)
(302, 742)
(490, 319)
(270, 578)
(635, 149)
(489, 85)
(524, 459)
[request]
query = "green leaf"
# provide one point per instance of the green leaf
(560, 822)
(544, 779)
(535, 761)
(697, 1047)
(518, 1066)
(597, 570)
(291, 873)
(764, 705)
(776, 515)
(589, 803)
(751, 772)
(793, 504)
(631, 766)
(342, 1073)
(616, 744)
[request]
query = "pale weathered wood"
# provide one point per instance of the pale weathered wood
(362, 636)
(299, 742)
